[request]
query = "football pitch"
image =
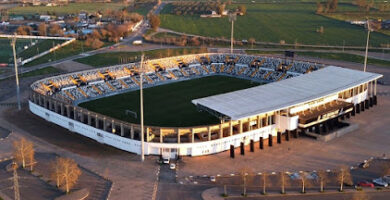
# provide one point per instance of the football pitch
(169, 105)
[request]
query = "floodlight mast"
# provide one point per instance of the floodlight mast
(142, 108)
(13, 44)
(368, 39)
(232, 18)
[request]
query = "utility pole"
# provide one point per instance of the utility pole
(142, 107)
(232, 18)
(16, 182)
(368, 39)
(13, 43)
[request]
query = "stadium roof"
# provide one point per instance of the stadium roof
(283, 94)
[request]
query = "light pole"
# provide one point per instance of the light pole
(368, 39)
(142, 108)
(232, 18)
(13, 43)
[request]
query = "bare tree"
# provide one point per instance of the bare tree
(154, 22)
(264, 177)
(244, 173)
(23, 151)
(65, 172)
(284, 182)
(322, 178)
(304, 181)
(42, 29)
(252, 41)
(24, 30)
(344, 176)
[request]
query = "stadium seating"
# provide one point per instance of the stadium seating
(99, 82)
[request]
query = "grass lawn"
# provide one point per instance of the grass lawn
(106, 59)
(40, 46)
(169, 105)
(42, 71)
(71, 8)
(346, 57)
(273, 22)
(71, 49)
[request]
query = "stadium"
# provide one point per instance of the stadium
(210, 101)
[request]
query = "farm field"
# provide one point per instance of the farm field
(170, 104)
(40, 46)
(106, 59)
(71, 8)
(273, 22)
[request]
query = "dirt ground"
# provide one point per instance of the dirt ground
(72, 66)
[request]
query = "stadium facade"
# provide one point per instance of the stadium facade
(298, 97)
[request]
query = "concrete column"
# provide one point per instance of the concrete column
(62, 109)
(44, 102)
(68, 111)
(55, 107)
(192, 135)
(74, 113)
(240, 127)
(132, 132)
(270, 140)
(209, 133)
(258, 121)
(288, 135)
(248, 125)
(147, 134)
(230, 128)
(40, 100)
(220, 131)
(122, 130)
(113, 128)
(178, 135)
(81, 116)
(34, 98)
(161, 135)
(104, 124)
(50, 104)
(89, 119)
(96, 121)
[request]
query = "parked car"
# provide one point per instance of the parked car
(386, 179)
(166, 160)
(212, 178)
(364, 165)
(380, 182)
(172, 166)
(366, 184)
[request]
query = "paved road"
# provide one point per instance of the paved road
(338, 196)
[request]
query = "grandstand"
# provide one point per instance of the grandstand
(299, 104)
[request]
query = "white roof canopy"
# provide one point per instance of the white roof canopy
(286, 93)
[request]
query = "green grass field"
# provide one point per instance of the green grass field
(6, 49)
(106, 59)
(273, 22)
(72, 49)
(42, 71)
(169, 105)
(72, 8)
(346, 57)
